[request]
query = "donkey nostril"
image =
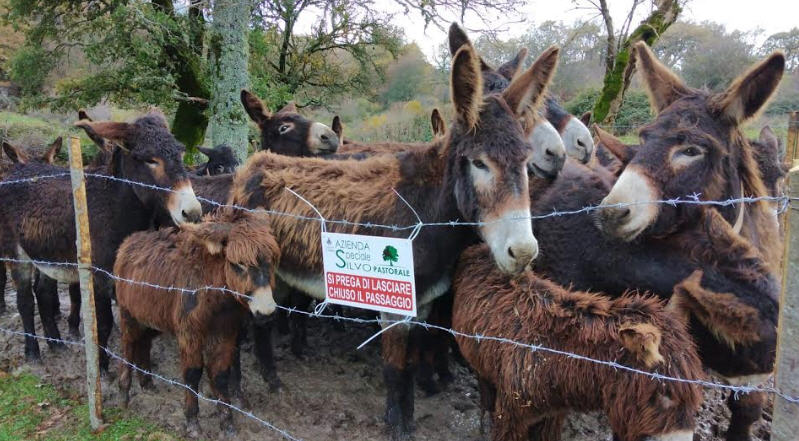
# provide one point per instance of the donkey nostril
(510, 253)
(550, 153)
(324, 138)
(623, 213)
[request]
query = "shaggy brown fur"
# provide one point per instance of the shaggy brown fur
(533, 388)
(438, 181)
(231, 249)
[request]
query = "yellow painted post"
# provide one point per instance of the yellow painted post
(84, 247)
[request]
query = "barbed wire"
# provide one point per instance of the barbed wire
(693, 199)
(737, 389)
(284, 433)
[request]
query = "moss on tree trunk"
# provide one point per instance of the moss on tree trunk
(617, 80)
(229, 55)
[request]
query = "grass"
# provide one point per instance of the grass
(34, 134)
(32, 410)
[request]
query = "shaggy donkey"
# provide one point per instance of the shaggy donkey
(19, 156)
(229, 248)
(529, 393)
(36, 227)
(576, 136)
(478, 173)
(221, 159)
(694, 146)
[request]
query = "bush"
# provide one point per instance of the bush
(634, 112)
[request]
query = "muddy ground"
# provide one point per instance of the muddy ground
(335, 393)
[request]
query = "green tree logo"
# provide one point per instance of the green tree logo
(390, 255)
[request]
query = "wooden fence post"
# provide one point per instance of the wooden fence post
(785, 422)
(84, 247)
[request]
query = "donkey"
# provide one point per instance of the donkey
(287, 132)
(478, 173)
(693, 146)
(574, 133)
(529, 393)
(221, 159)
(19, 156)
(38, 228)
(229, 248)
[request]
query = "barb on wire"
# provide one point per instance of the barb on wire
(284, 433)
(385, 323)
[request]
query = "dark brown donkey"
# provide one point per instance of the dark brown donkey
(19, 156)
(39, 222)
(230, 248)
(478, 173)
(694, 146)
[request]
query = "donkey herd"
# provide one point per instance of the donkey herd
(677, 290)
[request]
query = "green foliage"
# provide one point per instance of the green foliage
(410, 77)
(788, 42)
(635, 111)
(29, 67)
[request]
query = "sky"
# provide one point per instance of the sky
(769, 15)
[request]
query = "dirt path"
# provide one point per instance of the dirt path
(336, 393)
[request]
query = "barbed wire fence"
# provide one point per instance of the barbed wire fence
(782, 201)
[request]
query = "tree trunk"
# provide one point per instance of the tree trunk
(229, 55)
(610, 43)
(187, 64)
(618, 79)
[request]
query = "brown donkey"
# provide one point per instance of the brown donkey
(530, 392)
(229, 248)
(39, 221)
(477, 174)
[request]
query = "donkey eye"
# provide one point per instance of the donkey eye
(692, 151)
(151, 162)
(284, 128)
(479, 164)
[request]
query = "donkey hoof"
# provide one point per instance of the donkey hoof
(429, 386)
(57, 346)
(193, 429)
(74, 332)
(275, 384)
(33, 356)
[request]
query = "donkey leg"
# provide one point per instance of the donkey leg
(220, 365)
(46, 291)
(427, 360)
(131, 333)
(745, 411)
(105, 317)
(191, 362)
(398, 376)
(235, 373)
(2, 288)
(74, 309)
(264, 352)
(298, 323)
(488, 397)
(143, 359)
(22, 276)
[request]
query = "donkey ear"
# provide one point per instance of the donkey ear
(749, 93)
(457, 38)
(642, 340)
(290, 107)
(768, 137)
(206, 151)
(722, 313)
(467, 86)
(254, 107)
(212, 235)
(526, 91)
(439, 127)
(83, 115)
(52, 151)
(338, 129)
(99, 132)
(511, 68)
(661, 83)
(620, 150)
(586, 118)
(15, 154)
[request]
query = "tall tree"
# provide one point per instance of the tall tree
(229, 54)
(618, 66)
(787, 41)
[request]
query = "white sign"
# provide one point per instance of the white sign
(369, 272)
